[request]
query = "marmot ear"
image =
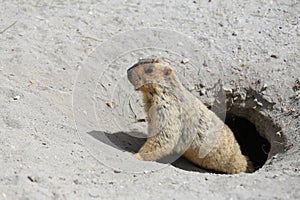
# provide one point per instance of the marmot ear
(167, 71)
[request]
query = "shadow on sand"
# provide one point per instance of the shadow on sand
(132, 142)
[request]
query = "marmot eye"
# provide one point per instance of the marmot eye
(148, 70)
(167, 71)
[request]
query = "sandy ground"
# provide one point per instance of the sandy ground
(47, 152)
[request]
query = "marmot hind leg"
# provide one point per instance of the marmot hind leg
(225, 156)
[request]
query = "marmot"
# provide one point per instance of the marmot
(178, 122)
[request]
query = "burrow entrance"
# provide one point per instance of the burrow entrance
(257, 133)
(252, 144)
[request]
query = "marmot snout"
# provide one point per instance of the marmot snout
(179, 122)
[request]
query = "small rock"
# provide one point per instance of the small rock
(243, 96)
(279, 133)
(264, 87)
(32, 179)
(297, 95)
(284, 109)
(275, 176)
(16, 97)
(273, 56)
(117, 171)
(202, 91)
(109, 104)
(296, 87)
(185, 60)
(257, 102)
(199, 85)
(227, 90)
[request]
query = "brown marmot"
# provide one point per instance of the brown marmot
(179, 122)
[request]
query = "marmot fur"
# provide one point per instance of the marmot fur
(179, 122)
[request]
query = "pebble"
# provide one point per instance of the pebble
(264, 87)
(257, 102)
(109, 104)
(227, 90)
(117, 171)
(185, 60)
(279, 133)
(16, 97)
(33, 179)
(202, 91)
(274, 56)
(284, 109)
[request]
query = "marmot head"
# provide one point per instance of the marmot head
(148, 74)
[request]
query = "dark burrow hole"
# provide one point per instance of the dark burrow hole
(252, 144)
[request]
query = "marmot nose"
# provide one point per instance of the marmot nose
(130, 74)
(130, 70)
